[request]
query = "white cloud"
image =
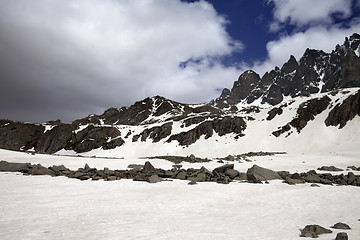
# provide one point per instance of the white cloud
(82, 55)
(314, 38)
(305, 12)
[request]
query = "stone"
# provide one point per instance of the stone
(330, 168)
(341, 225)
(182, 175)
(14, 167)
(313, 231)
(154, 179)
(256, 174)
(136, 166)
(192, 182)
(148, 168)
(222, 169)
(314, 185)
(40, 170)
(292, 181)
(232, 173)
(341, 236)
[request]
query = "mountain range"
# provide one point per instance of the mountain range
(307, 105)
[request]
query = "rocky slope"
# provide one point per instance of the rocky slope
(313, 104)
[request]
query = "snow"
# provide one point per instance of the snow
(44, 207)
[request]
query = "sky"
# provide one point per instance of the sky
(68, 59)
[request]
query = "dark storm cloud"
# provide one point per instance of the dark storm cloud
(67, 59)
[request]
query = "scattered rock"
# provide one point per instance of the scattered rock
(341, 225)
(313, 231)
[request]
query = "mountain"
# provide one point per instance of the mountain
(310, 105)
(316, 72)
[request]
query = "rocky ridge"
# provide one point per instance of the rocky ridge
(315, 72)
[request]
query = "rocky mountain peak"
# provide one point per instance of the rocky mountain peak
(315, 72)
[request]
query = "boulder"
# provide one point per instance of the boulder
(40, 170)
(148, 168)
(232, 173)
(14, 167)
(341, 236)
(222, 169)
(154, 179)
(330, 168)
(313, 231)
(341, 225)
(256, 174)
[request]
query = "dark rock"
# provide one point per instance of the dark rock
(351, 178)
(342, 113)
(14, 167)
(273, 112)
(232, 173)
(154, 179)
(341, 225)
(200, 177)
(157, 133)
(148, 168)
(313, 231)
(221, 126)
(292, 181)
(283, 174)
(256, 174)
(330, 168)
(341, 236)
(136, 166)
(314, 185)
(222, 169)
(40, 170)
(181, 175)
(192, 182)
(141, 177)
(18, 135)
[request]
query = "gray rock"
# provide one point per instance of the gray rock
(40, 170)
(136, 166)
(14, 167)
(341, 225)
(292, 181)
(314, 185)
(232, 173)
(341, 236)
(313, 231)
(256, 174)
(148, 168)
(200, 177)
(192, 182)
(154, 179)
(181, 175)
(330, 168)
(222, 169)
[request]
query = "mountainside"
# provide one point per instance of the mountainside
(316, 72)
(313, 105)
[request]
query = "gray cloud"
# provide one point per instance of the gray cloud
(67, 59)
